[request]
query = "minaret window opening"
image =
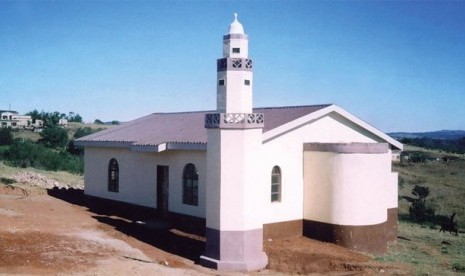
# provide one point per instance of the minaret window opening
(248, 64)
(247, 82)
(221, 82)
(236, 50)
(237, 63)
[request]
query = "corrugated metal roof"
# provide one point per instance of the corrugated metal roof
(184, 127)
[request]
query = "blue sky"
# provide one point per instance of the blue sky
(399, 65)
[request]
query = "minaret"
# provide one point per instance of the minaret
(234, 72)
(234, 195)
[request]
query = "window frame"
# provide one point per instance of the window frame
(113, 175)
(236, 50)
(276, 174)
(190, 185)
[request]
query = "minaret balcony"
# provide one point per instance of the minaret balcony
(239, 64)
(234, 120)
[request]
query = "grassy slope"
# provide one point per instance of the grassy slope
(446, 182)
(72, 127)
(73, 180)
(422, 246)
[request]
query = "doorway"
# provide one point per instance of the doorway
(162, 190)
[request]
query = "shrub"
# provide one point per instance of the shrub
(419, 211)
(54, 137)
(28, 154)
(6, 137)
(458, 266)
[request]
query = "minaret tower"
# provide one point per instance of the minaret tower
(234, 192)
(234, 72)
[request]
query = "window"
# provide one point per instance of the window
(236, 50)
(190, 183)
(276, 184)
(221, 82)
(247, 82)
(113, 176)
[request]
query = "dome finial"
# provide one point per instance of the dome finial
(236, 26)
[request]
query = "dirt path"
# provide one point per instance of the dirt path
(40, 234)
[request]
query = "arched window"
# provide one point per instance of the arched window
(113, 176)
(276, 184)
(190, 185)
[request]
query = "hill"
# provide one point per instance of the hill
(440, 134)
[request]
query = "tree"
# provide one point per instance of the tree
(98, 122)
(419, 211)
(74, 117)
(54, 137)
(6, 137)
(84, 131)
(34, 115)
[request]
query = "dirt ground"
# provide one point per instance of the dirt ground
(42, 233)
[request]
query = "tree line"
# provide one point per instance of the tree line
(52, 118)
(447, 145)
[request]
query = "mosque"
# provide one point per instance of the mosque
(250, 174)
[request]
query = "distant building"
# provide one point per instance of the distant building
(10, 118)
(63, 122)
(251, 174)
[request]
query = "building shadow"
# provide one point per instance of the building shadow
(174, 233)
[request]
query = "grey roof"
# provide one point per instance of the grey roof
(183, 127)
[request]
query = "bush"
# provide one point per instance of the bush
(84, 131)
(6, 137)
(28, 154)
(419, 211)
(457, 266)
(54, 137)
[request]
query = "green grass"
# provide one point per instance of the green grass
(24, 135)
(426, 250)
(446, 182)
(422, 246)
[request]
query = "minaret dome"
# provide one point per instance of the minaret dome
(236, 26)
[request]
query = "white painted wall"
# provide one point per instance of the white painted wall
(287, 152)
(138, 179)
(242, 44)
(138, 175)
(234, 96)
(236, 204)
(346, 189)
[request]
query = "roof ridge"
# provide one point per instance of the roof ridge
(181, 112)
(294, 106)
(268, 107)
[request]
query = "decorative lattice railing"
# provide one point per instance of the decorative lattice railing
(234, 120)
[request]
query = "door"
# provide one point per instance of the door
(162, 190)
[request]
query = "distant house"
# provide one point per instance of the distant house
(9, 118)
(63, 122)
(252, 173)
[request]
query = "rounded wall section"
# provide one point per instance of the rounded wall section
(345, 194)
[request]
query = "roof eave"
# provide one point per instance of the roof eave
(103, 144)
(169, 146)
(278, 131)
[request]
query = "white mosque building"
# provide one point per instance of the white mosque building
(251, 174)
